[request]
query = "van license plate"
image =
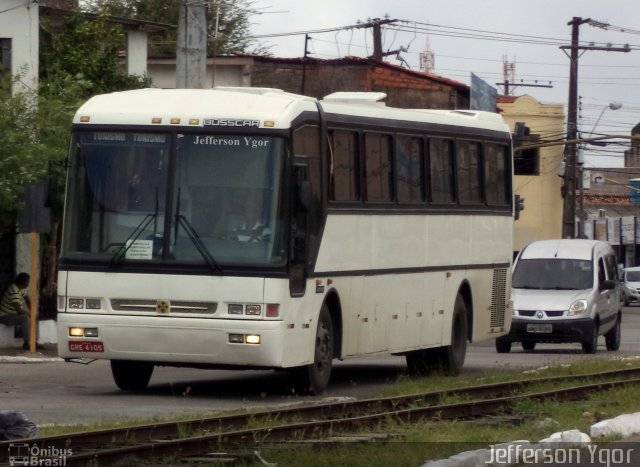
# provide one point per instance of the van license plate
(539, 327)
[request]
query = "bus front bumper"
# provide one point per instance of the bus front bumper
(176, 341)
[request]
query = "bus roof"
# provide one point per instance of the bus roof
(255, 107)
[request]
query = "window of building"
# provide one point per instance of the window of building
(5, 57)
(527, 162)
(378, 164)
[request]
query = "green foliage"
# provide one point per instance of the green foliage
(85, 51)
(79, 58)
(231, 17)
(20, 149)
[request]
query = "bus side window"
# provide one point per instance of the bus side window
(495, 174)
(441, 171)
(409, 170)
(378, 168)
(468, 172)
(343, 166)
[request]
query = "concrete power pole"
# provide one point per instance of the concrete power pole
(191, 53)
(571, 149)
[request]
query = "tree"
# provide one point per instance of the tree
(231, 17)
(20, 149)
(86, 51)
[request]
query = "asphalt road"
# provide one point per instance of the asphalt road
(55, 392)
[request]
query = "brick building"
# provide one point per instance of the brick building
(317, 78)
(404, 88)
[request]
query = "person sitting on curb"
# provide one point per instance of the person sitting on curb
(13, 310)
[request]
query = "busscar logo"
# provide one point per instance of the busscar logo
(32, 454)
(230, 122)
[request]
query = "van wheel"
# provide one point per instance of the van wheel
(591, 345)
(130, 375)
(452, 356)
(313, 379)
(503, 346)
(612, 337)
(528, 346)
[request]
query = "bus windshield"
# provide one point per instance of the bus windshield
(215, 201)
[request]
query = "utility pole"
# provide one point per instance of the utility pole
(509, 71)
(376, 25)
(191, 53)
(571, 162)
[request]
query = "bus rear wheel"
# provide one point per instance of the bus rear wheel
(131, 375)
(449, 359)
(452, 356)
(313, 379)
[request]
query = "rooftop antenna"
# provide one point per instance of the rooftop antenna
(427, 58)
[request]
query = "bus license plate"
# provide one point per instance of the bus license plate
(85, 346)
(539, 327)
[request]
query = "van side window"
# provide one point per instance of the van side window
(601, 272)
(612, 268)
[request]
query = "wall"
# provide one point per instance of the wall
(19, 22)
(404, 88)
(542, 217)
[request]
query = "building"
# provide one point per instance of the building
(317, 78)
(536, 170)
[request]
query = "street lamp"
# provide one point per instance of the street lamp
(613, 106)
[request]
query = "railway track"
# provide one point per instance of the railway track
(201, 436)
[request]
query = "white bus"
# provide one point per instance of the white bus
(252, 228)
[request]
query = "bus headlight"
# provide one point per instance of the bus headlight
(252, 339)
(83, 332)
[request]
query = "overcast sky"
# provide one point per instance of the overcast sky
(477, 36)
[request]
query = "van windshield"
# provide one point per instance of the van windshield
(553, 273)
(632, 276)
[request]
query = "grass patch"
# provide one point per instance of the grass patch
(399, 444)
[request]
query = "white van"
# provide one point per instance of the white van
(564, 291)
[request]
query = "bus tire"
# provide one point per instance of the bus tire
(313, 379)
(503, 346)
(131, 375)
(452, 356)
(423, 362)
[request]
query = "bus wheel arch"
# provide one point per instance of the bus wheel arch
(313, 378)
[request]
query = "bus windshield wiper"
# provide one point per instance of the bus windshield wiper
(199, 244)
(121, 252)
(195, 238)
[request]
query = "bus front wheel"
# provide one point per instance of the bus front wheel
(131, 375)
(313, 379)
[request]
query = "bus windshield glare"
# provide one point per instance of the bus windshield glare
(215, 201)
